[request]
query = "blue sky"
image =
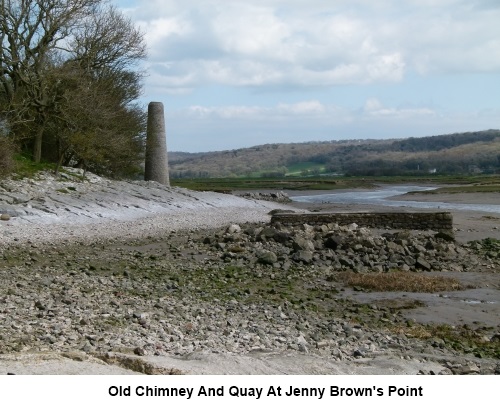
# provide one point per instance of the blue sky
(238, 73)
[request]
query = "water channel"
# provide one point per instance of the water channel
(380, 197)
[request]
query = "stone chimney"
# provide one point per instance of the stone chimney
(156, 146)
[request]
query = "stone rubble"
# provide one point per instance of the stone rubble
(140, 269)
(219, 291)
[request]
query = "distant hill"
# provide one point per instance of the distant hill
(468, 152)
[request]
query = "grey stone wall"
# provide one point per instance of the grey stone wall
(438, 221)
(156, 168)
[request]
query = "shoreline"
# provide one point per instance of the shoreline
(50, 211)
(114, 273)
(53, 210)
(468, 225)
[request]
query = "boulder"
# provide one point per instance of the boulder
(282, 237)
(266, 257)
(234, 228)
(300, 243)
(332, 242)
(303, 256)
(266, 234)
(423, 264)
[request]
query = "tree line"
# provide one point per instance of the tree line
(69, 85)
(460, 153)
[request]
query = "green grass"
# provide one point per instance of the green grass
(25, 167)
(471, 183)
(461, 338)
(474, 188)
(299, 168)
(299, 183)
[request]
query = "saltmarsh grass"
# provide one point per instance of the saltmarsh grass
(400, 281)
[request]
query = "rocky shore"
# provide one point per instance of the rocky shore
(66, 209)
(209, 286)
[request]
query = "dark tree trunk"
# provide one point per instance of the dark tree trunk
(37, 149)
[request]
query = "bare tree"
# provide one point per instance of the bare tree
(107, 41)
(31, 32)
(104, 126)
(51, 50)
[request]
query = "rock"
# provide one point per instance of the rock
(308, 228)
(207, 240)
(188, 300)
(4, 217)
(449, 237)
(267, 233)
(278, 196)
(139, 351)
(395, 247)
(423, 264)
(300, 243)
(280, 211)
(467, 370)
(266, 257)
(234, 228)
(303, 256)
(332, 242)
(345, 261)
(282, 237)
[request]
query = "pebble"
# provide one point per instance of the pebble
(65, 302)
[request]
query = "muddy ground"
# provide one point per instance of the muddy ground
(478, 305)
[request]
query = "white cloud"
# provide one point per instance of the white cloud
(374, 109)
(312, 107)
(306, 110)
(313, 42)
(199, 128)
(288, 54)
(293, 111)
(372, 104)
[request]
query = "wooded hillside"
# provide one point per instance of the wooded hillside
(469, 152)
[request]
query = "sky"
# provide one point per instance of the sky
(239, 73)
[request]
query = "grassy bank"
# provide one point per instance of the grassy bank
(464, 183)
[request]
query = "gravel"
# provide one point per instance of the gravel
(161, 280)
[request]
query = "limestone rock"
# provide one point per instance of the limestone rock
(300, 244)
(266, 257)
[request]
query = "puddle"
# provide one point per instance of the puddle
(479, 305)
(467, 300)
(473, 302)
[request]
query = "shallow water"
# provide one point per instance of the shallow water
(381, 195)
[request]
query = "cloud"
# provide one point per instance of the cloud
(315, 43)
(239, 73)
(375, 109)
(201, 128)
(305, 111)
(293, 111)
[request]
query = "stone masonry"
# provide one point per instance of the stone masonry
(438, 221)
(156, 146)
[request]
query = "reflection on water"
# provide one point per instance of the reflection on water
(379, 197)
